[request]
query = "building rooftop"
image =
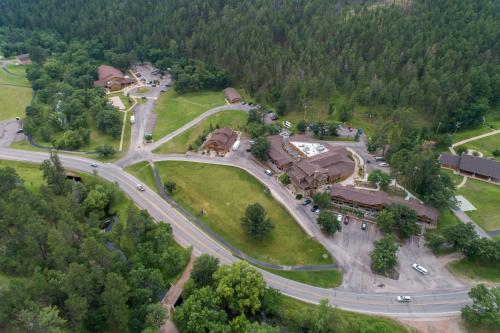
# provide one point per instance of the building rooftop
(472, 164)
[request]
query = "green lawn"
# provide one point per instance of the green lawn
(223, 193)
(19, 77)
(15, 92)
(13, 101)
(457, 179)
(485, 145)
(325, 279)
(298, 313)
(475, 270)
(175, 110)
(143, 171)
(29, 172)
(486, 198)
(234, 119)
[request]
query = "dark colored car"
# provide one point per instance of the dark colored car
(346, 220)
(306, 202)
(314, 208)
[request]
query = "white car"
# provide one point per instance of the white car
(140, 187)
(419, 268)
(339, 217)
(268, 172)
(94, 165)
(384, 164)
(403, 299)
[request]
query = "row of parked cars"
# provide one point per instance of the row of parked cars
(341, 218)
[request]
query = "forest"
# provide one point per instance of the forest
(438, 57)
(65, 273)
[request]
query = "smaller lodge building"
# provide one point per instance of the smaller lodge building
(221, 141)
(470, 165)
(112, 78)
(375, 201)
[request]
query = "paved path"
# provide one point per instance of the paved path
(195, 121)
(477, 137)
(443, 302)
(463, 217)
(462, 183)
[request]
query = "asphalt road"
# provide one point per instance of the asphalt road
(428, 304)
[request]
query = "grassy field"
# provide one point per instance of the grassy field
(30, 173)
(175, 110)
(15, 92)
(486, 198)
(457, 179)
(299, 312)
(485, 145)
(325, 279)
(475, 270)
(180, 144)
(223, 193)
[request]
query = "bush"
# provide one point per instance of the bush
(461, 149)
(105, 151)
(496, 152)
(299, 196)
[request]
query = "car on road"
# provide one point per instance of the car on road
(384, 164)
(306, 202)
(346, 220)
(93, 165)
(403, 299)
(268, 172)
(317, 211)
(140, 187)
(364, 225)
(420, 269)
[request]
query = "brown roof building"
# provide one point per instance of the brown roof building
(277, 153)
(476, 166)
(111, 78)
(221, 141)
(377, 200)
(23, 59)
(231, 95)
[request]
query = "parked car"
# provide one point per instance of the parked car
(244, 103)
(140, 187)
(317, 211)
(339, 217)
(384, 164)
(314, 208)
(403, 299)
(306, 202)
(379, 159)
(368, 161)
(364, 225)
(20, 131)
(93, 165)
(251, 142)
(268, 172)
(346, 220)
(420, 269)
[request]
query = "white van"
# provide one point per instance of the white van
(132, 119)
(419, 268)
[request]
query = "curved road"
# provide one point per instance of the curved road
(436, 303)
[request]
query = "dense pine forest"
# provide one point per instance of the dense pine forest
(440, 57)
(66, 274)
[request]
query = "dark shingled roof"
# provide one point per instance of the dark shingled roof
(379, 198)
(480, 166)
(473, 164)
(449, 160)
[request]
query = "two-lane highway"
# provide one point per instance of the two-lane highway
(436, 303)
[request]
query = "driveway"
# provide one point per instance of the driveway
(8, 132)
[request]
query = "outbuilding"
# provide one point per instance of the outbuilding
(231, 95)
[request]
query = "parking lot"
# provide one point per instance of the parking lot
(352, 246)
